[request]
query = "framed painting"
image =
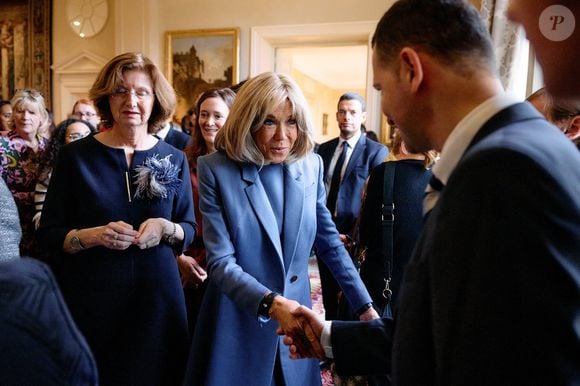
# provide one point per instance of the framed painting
(25, 47)
(197, 60)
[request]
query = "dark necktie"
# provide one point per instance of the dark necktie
(432, 194)
(335, 181)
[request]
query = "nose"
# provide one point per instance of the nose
(210, 121)
(281, 131)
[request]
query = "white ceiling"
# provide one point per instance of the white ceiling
(343, 67)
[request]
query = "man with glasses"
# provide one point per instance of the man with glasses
(85, 110)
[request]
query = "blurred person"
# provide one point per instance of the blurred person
(212, 108)
(40, 342)
(118, 207)
(538, 99)
(263, 204)
(356, 156)
(172, 134)
(67, 131)
(188, 120)
(469, 310)
(552, 28)
(5, 117)
(565, 114)
(20, 153)
(85, 109)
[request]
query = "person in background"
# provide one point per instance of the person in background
(188, 120)
(555, 39)
(20, 153)
(470, 311)
(412, 173)
(5, 117)
(212, 108)
(85, 109)
(538, 99)
(67, 131)
(564, 114)
(170, 134)
(344, 185)
(118, 208)
(263, 204)
(40, 342)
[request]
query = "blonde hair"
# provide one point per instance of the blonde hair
(111, 77)
(396, 148)
(257, 98)
(32, 99)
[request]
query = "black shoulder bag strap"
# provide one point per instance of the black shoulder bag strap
(387, 223)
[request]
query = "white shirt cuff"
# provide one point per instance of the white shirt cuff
(325, 339)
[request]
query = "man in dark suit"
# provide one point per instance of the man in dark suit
(356, 156)
(491, 295)
(173, 136)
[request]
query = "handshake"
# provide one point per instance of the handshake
(302, 327)
(303, 337)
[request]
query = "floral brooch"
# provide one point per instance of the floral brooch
(156, 178)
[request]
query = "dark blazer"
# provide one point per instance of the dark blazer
(177, 138)
(491, 295)
(365, 156)
(39, 340)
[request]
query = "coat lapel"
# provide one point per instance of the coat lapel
(293, 205)
(261, 205)
(356, 154)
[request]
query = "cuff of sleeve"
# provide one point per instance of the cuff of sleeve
(325, 339)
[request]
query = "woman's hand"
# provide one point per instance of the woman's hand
(153, 230)
(191, 272)
(117, 235)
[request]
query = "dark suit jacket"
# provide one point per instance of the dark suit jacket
(177, 138)
(39, 342)
(365, 156)
(491, 295)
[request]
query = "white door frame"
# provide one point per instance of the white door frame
(265, 39)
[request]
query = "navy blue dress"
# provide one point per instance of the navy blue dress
(128, 304)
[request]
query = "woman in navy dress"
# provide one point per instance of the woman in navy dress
(118, 208)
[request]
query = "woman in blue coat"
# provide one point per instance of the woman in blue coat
(263, 205)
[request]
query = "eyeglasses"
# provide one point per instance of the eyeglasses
(77, 136)
(122, 93)
(85, 115)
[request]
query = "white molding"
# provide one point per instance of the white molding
(265, 39)
(85, 62)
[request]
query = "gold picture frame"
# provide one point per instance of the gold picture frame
(196, 60)
(25, 50)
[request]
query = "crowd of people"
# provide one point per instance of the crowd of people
(138, 251)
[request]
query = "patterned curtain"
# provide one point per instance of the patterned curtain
(506, 37)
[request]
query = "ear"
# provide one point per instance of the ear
(363, 116)
(411, 70)
(573, 131)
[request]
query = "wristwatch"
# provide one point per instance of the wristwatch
(75, 244)
(363, 309)
(266, 304)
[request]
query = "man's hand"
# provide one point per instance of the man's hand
(305, 343)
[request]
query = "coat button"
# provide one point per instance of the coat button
(293, 279)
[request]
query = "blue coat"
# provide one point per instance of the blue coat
(246, 259)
